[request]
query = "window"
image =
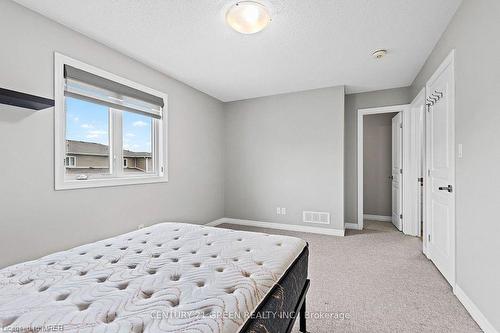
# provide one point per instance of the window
(87, 136)
(114, 127)
(137, 138)
(70, 162)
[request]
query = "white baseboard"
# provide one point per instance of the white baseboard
(475, 313)
(215, 223)
(353, 226)
(280, 226)
(379, 218)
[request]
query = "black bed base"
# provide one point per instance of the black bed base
(302, 306)
(285, 302)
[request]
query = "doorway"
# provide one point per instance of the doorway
(382, 162)
(395, 176)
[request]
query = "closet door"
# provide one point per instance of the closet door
(440, 184)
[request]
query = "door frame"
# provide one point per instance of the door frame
(404, 109)
(415, 203)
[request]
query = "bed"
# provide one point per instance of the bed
(171, 277)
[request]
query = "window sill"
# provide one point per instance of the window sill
(106, 182)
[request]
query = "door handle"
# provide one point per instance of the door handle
(448, 188)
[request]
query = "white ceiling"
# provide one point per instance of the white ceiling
(309, 44)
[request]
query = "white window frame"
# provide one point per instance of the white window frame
(117, 177)
(70, 165)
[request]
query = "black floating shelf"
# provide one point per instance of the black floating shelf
(16, 98)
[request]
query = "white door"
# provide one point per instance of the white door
(412, 176)
(397, 170)
(420, 152)
(440, 182)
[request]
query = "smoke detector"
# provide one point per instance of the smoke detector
(379, 54)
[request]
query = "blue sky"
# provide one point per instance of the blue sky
(88, 122)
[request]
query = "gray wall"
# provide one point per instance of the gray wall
(36, 220)
(354, 102)
(474, 34)
(285, 151)
(377, 162)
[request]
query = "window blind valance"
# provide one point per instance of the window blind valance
(93, 88)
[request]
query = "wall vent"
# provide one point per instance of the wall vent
(316, 217)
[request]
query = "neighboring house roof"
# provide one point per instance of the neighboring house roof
(97, 149)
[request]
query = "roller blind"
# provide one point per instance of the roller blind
(96, 89)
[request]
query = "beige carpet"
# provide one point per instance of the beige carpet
(376, 280)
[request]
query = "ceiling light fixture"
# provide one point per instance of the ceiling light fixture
(248, 17)
(379, 54)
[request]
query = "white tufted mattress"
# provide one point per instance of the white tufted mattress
(171, 277)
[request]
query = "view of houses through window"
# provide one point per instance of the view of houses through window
(69, 161)
(137, 130)
(88, 141)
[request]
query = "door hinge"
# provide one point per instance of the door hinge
(421, 181)
(429, 237)
(401, 216)
(401, 171)
(428, 172)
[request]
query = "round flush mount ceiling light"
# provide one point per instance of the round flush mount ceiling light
(379, 54)
(248, 17)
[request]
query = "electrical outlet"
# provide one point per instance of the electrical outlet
(140, 226)
(283, 211)
(278, 211)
